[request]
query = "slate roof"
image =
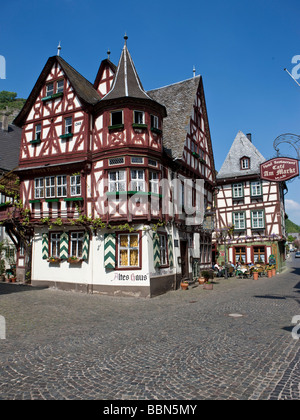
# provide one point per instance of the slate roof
(179, 100)
(241, 147)
(126, 82)
(9, 147)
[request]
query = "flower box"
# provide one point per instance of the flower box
(74, 260)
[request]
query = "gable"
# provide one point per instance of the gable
(105, 77)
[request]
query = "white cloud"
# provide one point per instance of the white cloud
(292, 208)
(292, 205)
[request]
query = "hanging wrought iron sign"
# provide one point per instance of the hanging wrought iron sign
(279, 169)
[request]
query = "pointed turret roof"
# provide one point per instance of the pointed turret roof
(127, 82)
(241, 147)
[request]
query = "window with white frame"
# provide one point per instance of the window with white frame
(60, 86)
(50, 89)
(163, 249)
(239, 220)
(258, 219)
(39, 188)
(68, 125)
(154, 121)
(50, 187)
(245, 163)
(54, 244)
(256, 189)
(75, 185)
(38, 131)
(138, 117)
(154, 182)
(137, 180)
(61, 185)
(237, 191)
(76, 244)
(129, 251)
(117, 181)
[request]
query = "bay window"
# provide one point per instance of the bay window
(117, 181)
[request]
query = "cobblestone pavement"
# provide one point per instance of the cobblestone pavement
(182, 345)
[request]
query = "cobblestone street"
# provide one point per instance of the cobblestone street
(182, 345)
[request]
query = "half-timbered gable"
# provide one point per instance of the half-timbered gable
(250, 208)
(105, 77)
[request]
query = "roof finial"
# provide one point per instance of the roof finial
(125, 37)
(194, 71)
(58, 49)
(108, 54)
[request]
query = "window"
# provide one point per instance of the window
(60, 86)
(116, 117)
(50, 89)
(50, 186)
(138, 117)
(128, 250)
(256, 189)
(55, 244)
(137, 180)
(259, 254)
(152, 162)
(154, 121)
(68, 125)
(117, 181)
(137, 159)
(163, 249)
(75, 183)
(239, 220)
(153, 182)
(116, 161)
(61, 186)
(39, 188)
(237, 191)
(76, 239)
(38, 130)
(240, 255)
(245, 163)
(257, 218)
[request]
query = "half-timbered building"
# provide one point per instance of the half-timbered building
(250, 212)
(109, 180)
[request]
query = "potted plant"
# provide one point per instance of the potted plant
(255, 274)
(269, 271)
(206, 275)
(184, 285)
(208, 285)
(273, 271)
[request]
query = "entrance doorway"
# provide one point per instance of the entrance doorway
(184, 259)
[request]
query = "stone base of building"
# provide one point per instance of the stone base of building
(158, 286)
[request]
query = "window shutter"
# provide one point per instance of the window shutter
(85, 249)
(64, 246)
(156, 250)
(170, 251)
(45, 246)
(110, 250)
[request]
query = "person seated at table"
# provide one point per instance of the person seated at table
(218, 269)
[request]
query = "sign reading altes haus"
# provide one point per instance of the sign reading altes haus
(279, 169)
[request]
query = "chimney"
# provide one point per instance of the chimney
(249, 137)
(4, 123)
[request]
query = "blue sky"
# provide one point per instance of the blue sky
(239, 46)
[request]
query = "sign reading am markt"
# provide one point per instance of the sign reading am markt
(279, 169)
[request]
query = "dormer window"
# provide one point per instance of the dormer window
(245, 163)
